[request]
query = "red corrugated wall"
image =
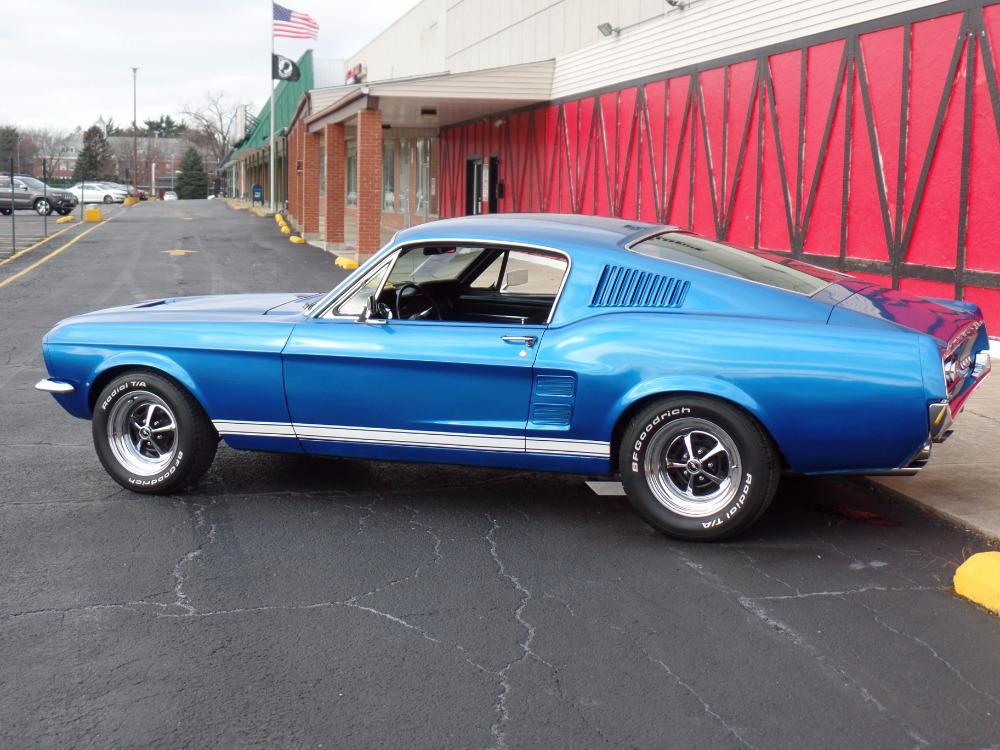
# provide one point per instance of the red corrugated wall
(875, 151)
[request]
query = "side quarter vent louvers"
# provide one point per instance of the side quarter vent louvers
(626, 287)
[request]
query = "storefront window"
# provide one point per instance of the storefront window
(403, 186)
(351, 168)
(388, 175)
(423, 177)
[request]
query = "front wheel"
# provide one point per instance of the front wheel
(5, 211)
(150, 434)
(63, 211)
(108, 199)
(698, 469)
(43, 207)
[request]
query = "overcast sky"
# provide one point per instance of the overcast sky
(65, 63)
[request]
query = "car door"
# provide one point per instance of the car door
(406, 388)
(22, 195)
(413, 389)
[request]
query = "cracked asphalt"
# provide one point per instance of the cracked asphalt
(297, 602)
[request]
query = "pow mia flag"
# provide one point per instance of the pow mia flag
(283, 69)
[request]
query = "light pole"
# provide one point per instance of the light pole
(135, 137)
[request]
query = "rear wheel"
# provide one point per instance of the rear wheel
(108, 199)
(151, 435)
(43, 207)
(698, 469)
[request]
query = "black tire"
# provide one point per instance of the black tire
(151, 435)
(714, 494)
(6, 211)
(43, 207)
(108, 199)
(63, 211)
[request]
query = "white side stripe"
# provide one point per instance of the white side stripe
(462, 440)
(416, 438)
(257, 429)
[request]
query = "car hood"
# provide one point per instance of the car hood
(209, 307)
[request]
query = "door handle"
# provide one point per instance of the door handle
(528, 341)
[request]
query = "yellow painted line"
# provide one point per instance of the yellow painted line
(178, 252)
(978, 579)
(41, 242)
(51, 255)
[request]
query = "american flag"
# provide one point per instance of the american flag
(292, 24)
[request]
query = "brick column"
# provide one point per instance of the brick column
(336, 185)
(369, 182)
(309, 197)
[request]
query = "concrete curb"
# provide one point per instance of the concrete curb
(978, 580)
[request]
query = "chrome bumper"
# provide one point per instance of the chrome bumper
(54, 386)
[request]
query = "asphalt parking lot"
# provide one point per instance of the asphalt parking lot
(294, 602)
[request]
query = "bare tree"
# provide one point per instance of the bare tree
(211, 124)
(50, 145)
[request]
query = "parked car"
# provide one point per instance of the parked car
(170, 195)
(97, 192)
(696, 371)
(32, 193)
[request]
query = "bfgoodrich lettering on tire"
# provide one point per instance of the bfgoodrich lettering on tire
(697, 468)
(150, 434)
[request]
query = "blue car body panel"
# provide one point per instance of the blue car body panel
(842, 377)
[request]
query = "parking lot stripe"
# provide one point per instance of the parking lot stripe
(51, 255)
(41, 241)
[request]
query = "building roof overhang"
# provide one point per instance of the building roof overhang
(434, 101)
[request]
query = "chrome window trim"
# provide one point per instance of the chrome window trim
(340, 292)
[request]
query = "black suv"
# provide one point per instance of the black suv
(31, 193)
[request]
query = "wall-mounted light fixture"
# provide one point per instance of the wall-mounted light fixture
(679, 4)
(498, 123)
(607, 29)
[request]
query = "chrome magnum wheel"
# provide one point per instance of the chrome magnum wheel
(43, 207)
(697, 469)
(142, 433)
(108, 199)
(150, 434)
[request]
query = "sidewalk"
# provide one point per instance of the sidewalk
(961, 481)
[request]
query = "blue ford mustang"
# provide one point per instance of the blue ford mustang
(696, 371)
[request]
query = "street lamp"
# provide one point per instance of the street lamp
(135, 136)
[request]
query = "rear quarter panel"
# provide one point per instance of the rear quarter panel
(833, 398)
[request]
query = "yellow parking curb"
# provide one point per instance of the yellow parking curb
(978, 580)
(348, 263)
(297, 240)
(65, 220)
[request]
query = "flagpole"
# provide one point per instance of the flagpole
(270, 170)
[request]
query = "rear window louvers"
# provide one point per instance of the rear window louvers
(627, 287)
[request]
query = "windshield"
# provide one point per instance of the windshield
(755, 265)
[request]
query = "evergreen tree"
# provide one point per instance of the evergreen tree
(164, 127)
(8, 147)
(193, 181)
(94, 161)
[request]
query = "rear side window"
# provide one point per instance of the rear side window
(754, 265)
(523, 272)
